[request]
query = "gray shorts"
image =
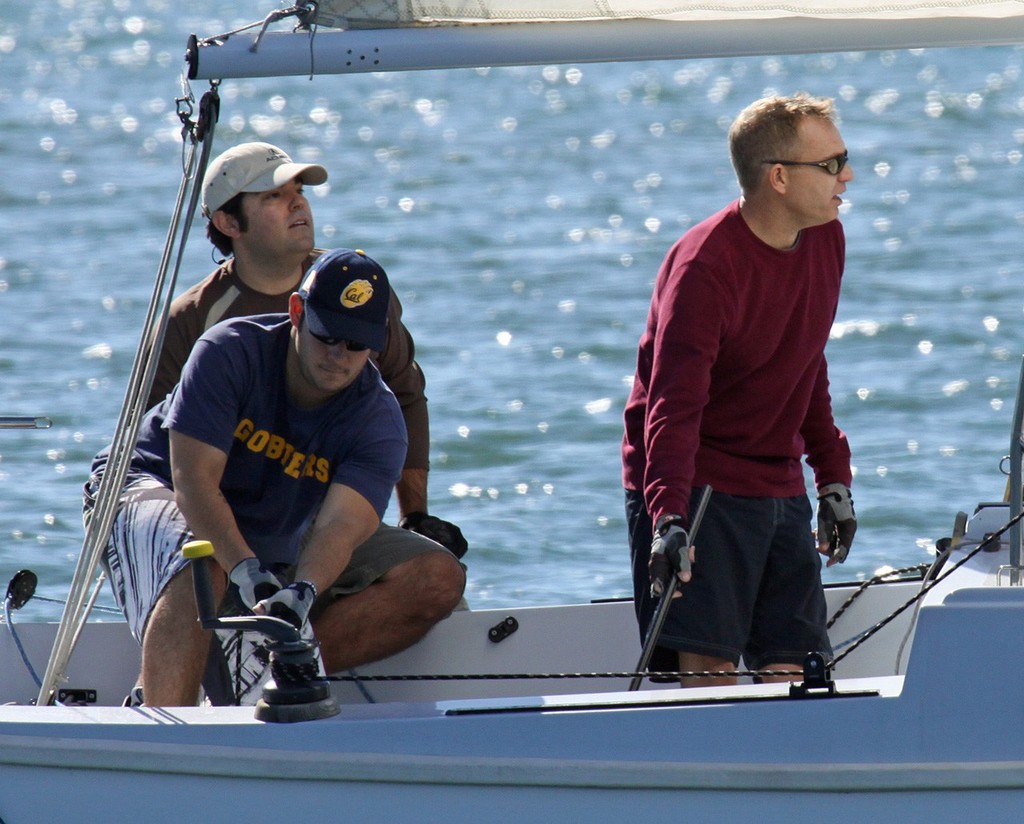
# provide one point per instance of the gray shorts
(143, 553)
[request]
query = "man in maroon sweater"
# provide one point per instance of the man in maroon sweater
(731, 391)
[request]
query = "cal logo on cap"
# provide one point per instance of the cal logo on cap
(356, 294)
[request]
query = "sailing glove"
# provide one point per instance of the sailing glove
(249, 582)
(670, 554)
(837, 522)
(291, 603)
(443, 532)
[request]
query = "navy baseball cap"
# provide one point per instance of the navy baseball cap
(346, 295)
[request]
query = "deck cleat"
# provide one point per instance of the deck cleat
(817, 681)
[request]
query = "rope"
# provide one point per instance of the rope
(877, 579)
(523, 676)
(17, 643)
(928, 587)
(304, 12)
(668, 675)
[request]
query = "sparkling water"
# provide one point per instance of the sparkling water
(522, 215)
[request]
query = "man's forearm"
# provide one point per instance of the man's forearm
(345, 521)
(197, 469)
(411, 490)
(210, 518)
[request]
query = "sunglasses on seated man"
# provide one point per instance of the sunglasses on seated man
(351, 345)
(834, 165)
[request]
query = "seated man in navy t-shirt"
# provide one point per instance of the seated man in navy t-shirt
(281, 446)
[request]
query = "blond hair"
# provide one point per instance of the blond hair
(767, 130)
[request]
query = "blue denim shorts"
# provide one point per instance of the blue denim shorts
(756, 591)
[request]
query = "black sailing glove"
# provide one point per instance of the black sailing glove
(670, 554)
(837, 522)
(443, 532)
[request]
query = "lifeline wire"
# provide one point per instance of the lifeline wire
(753, 674)
(523, 676)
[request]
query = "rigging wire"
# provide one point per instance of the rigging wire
(930, 573)
(198, 136)
(305, 12)
(928, 586)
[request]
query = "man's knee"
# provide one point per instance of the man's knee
(439, 580)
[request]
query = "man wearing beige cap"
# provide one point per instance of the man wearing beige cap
(280, 445)
(261, 221)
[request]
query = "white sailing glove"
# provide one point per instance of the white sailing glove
(249, 582)
(292, 603)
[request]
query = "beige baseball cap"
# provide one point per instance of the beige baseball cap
(253, 167)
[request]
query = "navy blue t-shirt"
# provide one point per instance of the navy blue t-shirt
(281, 458)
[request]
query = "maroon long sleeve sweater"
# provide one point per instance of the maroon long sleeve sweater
(731, 386)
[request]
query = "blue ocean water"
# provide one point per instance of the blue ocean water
(522, 215)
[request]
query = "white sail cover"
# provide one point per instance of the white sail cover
(383, 13)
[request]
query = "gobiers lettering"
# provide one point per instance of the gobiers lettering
(295, 464)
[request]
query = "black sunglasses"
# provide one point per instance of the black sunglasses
(834, 165)
(351, 345)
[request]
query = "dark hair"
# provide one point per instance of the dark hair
(223, 243)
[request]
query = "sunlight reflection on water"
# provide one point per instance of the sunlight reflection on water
(522, 214)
